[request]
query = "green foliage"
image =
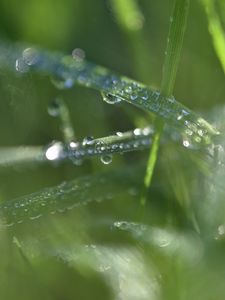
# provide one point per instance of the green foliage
(71, 181)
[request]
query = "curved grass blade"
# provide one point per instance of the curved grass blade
(93, 76)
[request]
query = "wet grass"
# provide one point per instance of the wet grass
(73, 169)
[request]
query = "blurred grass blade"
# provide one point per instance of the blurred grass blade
(128, 14)
(216, 29)
(68, 195)
(130, 20)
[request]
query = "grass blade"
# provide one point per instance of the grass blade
(216, 30)
(172, 58)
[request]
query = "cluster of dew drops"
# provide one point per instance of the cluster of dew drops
(55, 150)
(31, 56)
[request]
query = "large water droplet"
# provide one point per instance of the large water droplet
(137, 131)
(30, 56)
(73, 145)
(88, 141)
(106, 159)
(110, 99)
(21, 66)
(186, 143)
(78, 54)
(54, 151)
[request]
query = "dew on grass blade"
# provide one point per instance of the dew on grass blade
(137, 131)
(88, 141)
(78, 54)
(110, 99)
(21, 66)
(73, 145)
(54, 151)
(30, 56)
(120, 134)
(106, 159)
(186, 143)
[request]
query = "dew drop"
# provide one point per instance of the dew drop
(186, 143)
(189, 132)
(120, 134)
(73, 145)
(110, 99)
(54, 108)
(128, 90)
(200, 132)
(88, 141)
(30, 56)
(21, 66)
(133, 97)
(145, 96)
(137, 131)
(121, 225)
(54, 151)
(182, 114)
(106, 159)
(197, 139)
(78, 54)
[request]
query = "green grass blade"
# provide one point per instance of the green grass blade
(173, 51)
(119, 87)
(216, 29)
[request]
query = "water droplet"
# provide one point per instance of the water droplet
(30, 56)
(145, 95)
(54, 151)
(73, 145)
(182, 114)
(54, 108)
(120, 134)
(200, 132)
(186, 143)
(21, 66)
(137, 131)
(88, 141)
(78, 54)
(128, 90)
(197, 139)
(189, 132)
(110, 99)
(133, 97)
(121, 225)
(106, 159)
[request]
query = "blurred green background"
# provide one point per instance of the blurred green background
(94, 26)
